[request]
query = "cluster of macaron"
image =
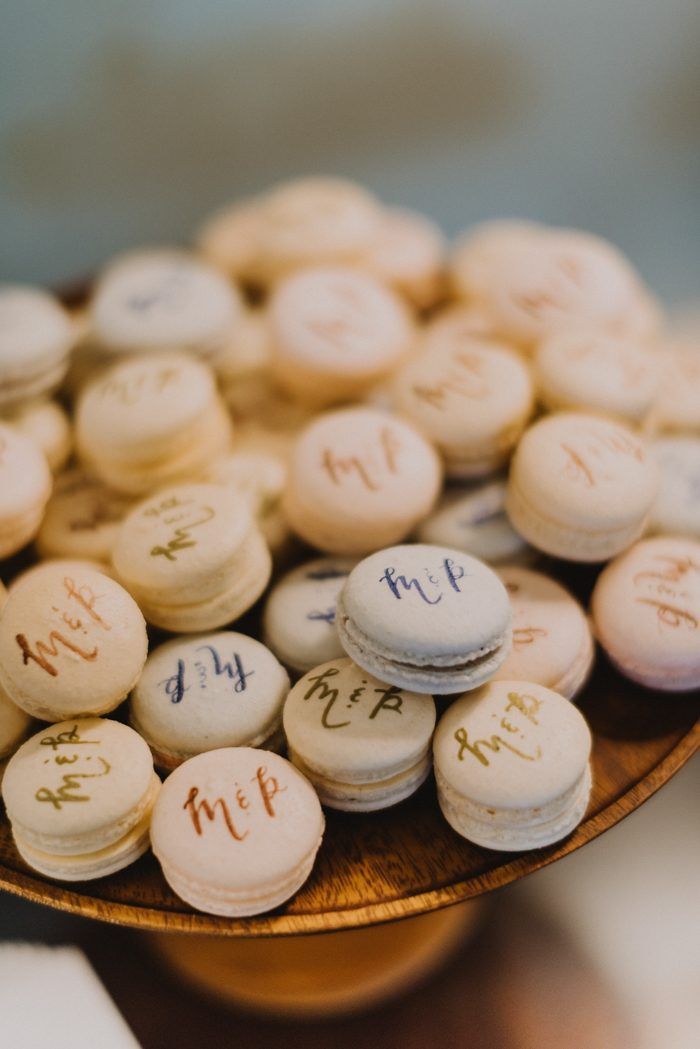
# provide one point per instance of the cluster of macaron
(290, 487)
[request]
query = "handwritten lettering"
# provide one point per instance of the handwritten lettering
(370, 469)
(400, 585)
(71, 785)
(182, 536)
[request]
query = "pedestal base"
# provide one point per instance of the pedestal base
(321, 974)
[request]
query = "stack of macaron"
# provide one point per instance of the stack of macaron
(301, 500)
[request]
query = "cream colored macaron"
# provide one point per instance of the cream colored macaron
(25, 487)
(359, 479)
(677, 407)
(151, 421)
(82, 518)
(201, 693)
(36, 337)
(425, 618)
(534, 281)
(236, 831)
(79, 796)
(48, 425)
(192, 557)
(677, 507)
(334, 332)
(299, 616)
(473, 519)
(228, 239)
(364, 745)
(581, 487)
(592, 371)
(162, 299)
(472, 401)
(72, 642)
(259, 477)
(512, 766)
(646, 613)
(15, 726)
(408, 253)
(552, 641)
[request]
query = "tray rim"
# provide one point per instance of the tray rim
(153, 919)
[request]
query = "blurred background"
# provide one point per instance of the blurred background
(126, 123)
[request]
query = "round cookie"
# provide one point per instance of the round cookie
(552, 641)
(512, 766)
(79, 796)
(677, 507)
(359, 480)
(82, 518)
(646, 613)
(536, 281)
(15, 726)
(72, 642)
(313, 221)
(192, 557)
(299, 616)
(162, 299)
(472, 401)
(425, 618)
(25, 487)
(259, 477)
(580, 487)
(364, 745)
(36, 337)
(474, 520)
(229, 240)
(151, 421)
(202, 693)
(48, 425)
(408, 254)
(236, 831)
(677, 407)
(596, 372)
(334, 332)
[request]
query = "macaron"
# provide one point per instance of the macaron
(228, 239)
(425, 618)
(236, 831)
(72, 642)
(534, 281)
(363, 744)
(299, 615)
(471, 400)
(48, 425)
(192, 557)
(581, 487)
(334, 332)
(151, 421)
(596, 372)
(552, 640)
(36, 337)
(162, 299)
(25, 487)
(408, 253)
(677, 407)
(313, 221)
(512, 765)
(646, 613)
(359, 479)
(677, 507)
(82, 518)
(473, 519)
(79, 796)
(202, 693)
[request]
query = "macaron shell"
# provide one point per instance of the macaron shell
(238, 850)
(15, 723)
(552, 642)
(428, 604)
(82, 518)
(79, 785)
(646, 613)
(215, 690)
(25, 478)
(347, 725)
(474, 520)
(512, 745)
(36, 334)
(72, 642)
(677, 507)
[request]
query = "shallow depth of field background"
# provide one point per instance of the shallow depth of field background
(124, 122)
